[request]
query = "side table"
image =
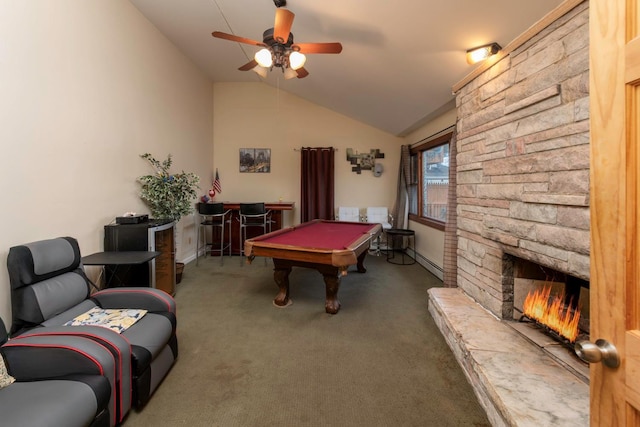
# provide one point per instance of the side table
(119, 260)
(395, 243)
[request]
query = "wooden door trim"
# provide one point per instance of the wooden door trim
(608, 204)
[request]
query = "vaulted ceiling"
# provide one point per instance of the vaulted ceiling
(399, 59)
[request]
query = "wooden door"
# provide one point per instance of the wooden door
(615, 261)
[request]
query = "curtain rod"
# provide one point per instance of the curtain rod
(435, 134)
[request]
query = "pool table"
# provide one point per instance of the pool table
(327, 246)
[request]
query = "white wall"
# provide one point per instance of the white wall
(430, 241)
(255, 115)
(88, 86)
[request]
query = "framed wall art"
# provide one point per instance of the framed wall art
(255, 160)
(363, 161)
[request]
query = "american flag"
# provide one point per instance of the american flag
(217, 187)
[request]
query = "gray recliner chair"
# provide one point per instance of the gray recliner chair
(49, 288)
(57, 381)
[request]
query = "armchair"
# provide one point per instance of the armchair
(61, 381)
(49, 289)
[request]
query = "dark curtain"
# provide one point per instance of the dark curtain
(450, 274)
(317, 180)
(400, 210)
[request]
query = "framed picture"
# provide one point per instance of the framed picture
(255, 160)
(363, 161)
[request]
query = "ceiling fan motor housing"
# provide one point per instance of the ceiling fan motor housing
(267, 38)
(280, 51)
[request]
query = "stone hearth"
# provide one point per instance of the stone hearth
(516, 382)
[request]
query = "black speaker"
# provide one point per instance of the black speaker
(127, 237)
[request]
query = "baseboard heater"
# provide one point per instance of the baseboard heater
(429, 265)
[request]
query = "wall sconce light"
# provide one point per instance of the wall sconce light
(481, 53)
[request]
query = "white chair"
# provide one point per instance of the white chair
(348, 214)
(379, 215)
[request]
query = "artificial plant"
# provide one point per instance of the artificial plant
(168, 195)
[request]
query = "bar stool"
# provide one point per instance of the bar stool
(381, 216)
(395, 242)
(253, 215)
(213, 215)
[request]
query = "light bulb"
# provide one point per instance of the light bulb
(483, 52)
(296, 60)
(264, 58)
(478, 55)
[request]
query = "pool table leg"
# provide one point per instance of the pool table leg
(331, 276)
(332, 282)
(281, 276)
(360, 266)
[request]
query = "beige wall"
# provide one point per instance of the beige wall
(255, 115)
(86, 87)
(429, 241)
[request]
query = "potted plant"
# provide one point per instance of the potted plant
(168, 195)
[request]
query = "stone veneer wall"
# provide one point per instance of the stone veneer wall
(523, 162)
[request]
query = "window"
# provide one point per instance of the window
(429, 182)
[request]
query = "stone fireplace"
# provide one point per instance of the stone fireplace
(523, 163)
(529, 277)
(522, 218)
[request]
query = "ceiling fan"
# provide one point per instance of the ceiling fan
(278, 48)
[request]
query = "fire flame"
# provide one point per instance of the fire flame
(551, 312)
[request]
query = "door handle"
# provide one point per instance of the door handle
(602, 351)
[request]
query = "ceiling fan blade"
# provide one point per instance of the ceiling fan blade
(282, 26)
(249, 65)
(227, 36)
(302, 73)
(318, 47)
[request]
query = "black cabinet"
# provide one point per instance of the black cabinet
(155, 235)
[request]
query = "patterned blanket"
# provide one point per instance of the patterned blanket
(115, 319)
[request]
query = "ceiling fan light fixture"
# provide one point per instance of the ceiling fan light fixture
(264, 57)
(481, 53)
(261, 71)
(296, 60)
(290, 74)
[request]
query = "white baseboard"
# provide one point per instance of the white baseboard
(190, 258)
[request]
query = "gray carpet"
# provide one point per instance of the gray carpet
(380, 361)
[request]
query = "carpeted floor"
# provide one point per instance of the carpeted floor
(380, 361)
